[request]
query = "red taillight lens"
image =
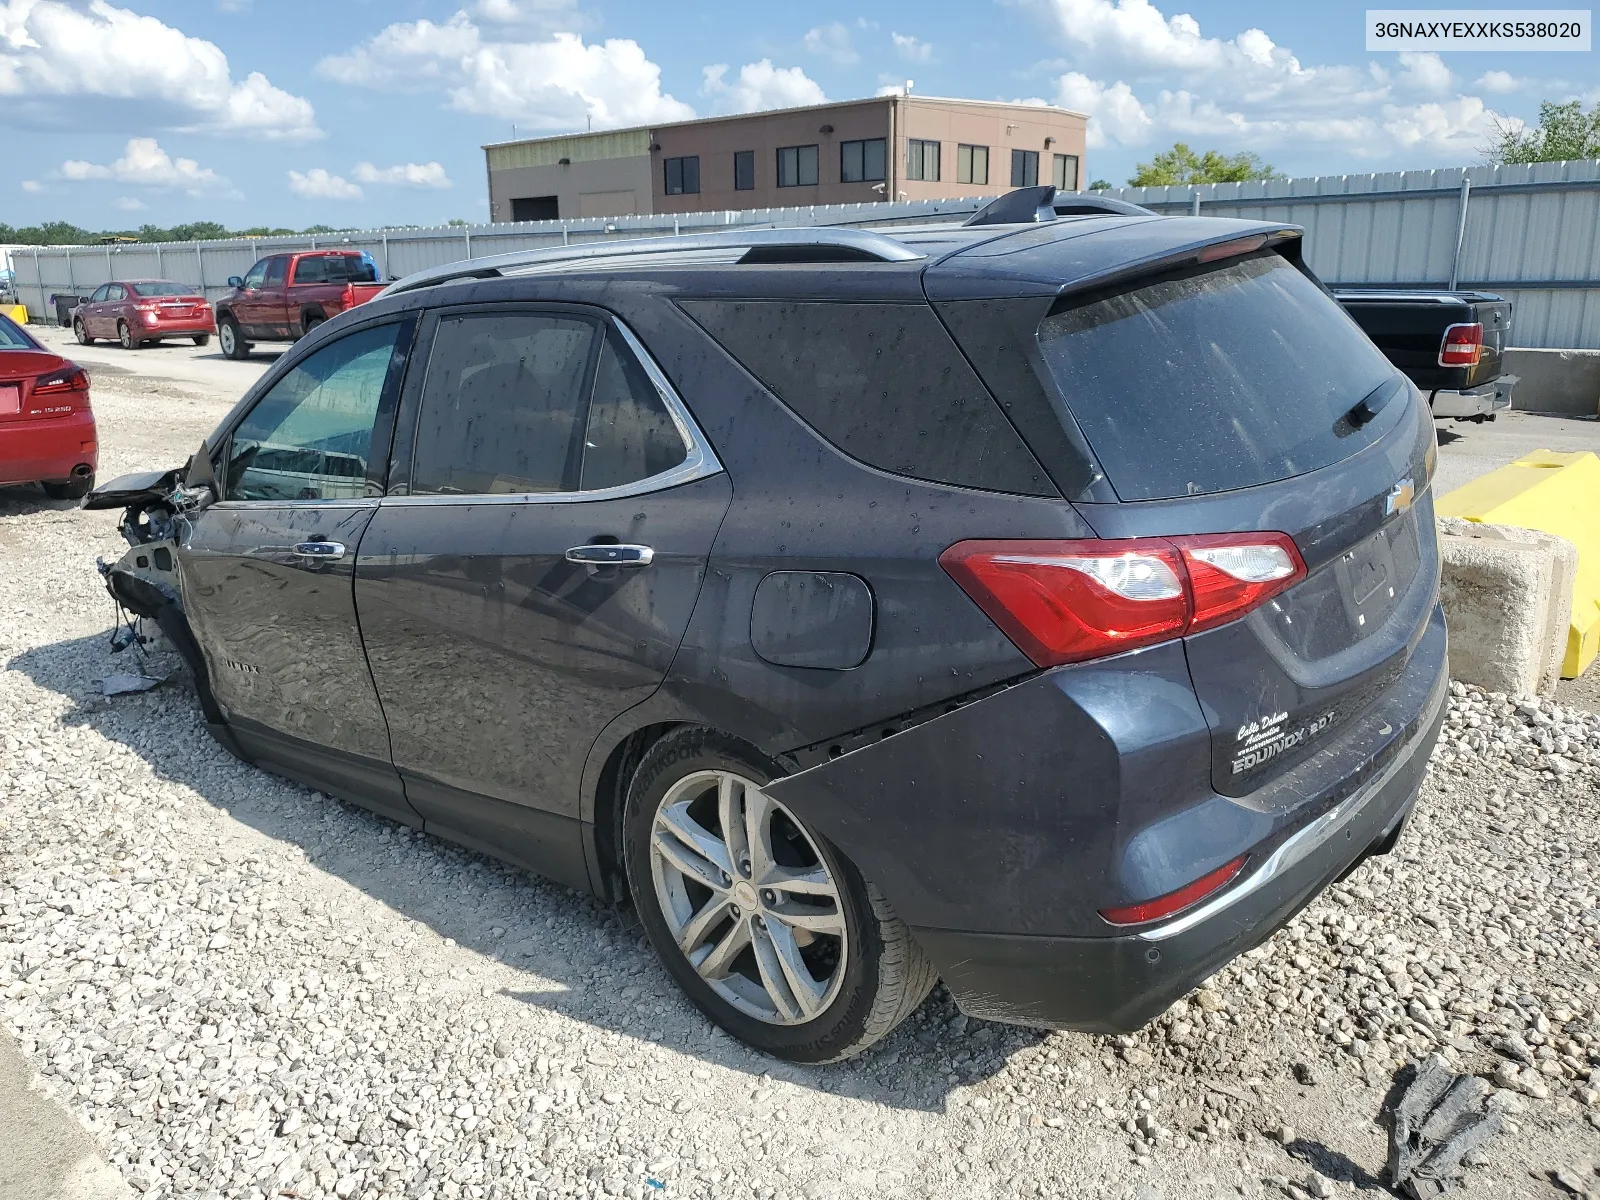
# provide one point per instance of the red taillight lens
(70, 378)
(1229, 574)
(1069, 601)
(1174, 902)
(1064, 602)
(1463, 345)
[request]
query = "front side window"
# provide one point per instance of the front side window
(797, 166)
(922, 160)
(862, 161)
(1024, 168)
(311, 270)
(277, 270)
(310, 436)
(972, 164)
(100, 294)
(503, 403)
(744, 170)
(256, 275)
(1066, 173)
(683, 176)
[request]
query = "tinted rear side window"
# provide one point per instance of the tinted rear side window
(1215, 379)
(311, 270)
(883, 382)
(631, 436)
(503, 404)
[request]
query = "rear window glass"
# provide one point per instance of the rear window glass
(1215, 379)
(162, 288)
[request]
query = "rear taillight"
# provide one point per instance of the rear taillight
(1174, 902)
(1462, 346)
(145, 308)
(69, 379)
(1069, 601)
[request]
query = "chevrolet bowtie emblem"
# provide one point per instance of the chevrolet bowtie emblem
(1399, 498)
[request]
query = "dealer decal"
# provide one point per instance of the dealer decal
(1261, 740)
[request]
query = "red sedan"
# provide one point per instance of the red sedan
(47, 431)
(137, 312)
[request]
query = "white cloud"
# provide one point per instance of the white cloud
(760, 85)
(552, 84)
(1147, 79)
(912, 49)
(80, 65)
(144, 162)
(130, 204)
(416, 175)
(317, 184)
(32, 185)
(833, 43)
(1498, 82)
(1425, 72)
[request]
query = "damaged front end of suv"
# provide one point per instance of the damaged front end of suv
(144, 583)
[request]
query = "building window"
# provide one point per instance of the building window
(1024, 168)
(922, 160)
(744, 170)
(683, 176)
(861, 162)
(797, 166)
(1066, 172)
(535, 208)
(972, 164)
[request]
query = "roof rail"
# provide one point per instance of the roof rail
(831, 244)
(1026, 205)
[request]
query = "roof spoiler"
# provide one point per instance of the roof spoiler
(1025, 206)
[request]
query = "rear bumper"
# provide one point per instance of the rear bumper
(1118, 984)
(50, 448)
(180, 327)
(1483, 400)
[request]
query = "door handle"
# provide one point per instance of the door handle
(319, 551)
(601, 555)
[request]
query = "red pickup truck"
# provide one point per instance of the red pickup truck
(285, 296)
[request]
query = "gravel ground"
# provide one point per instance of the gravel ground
(246, 989)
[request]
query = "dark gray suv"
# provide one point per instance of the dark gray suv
(1047, 604)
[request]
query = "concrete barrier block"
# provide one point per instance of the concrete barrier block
(1555, 381)
(1497, 636)
(1556, 602)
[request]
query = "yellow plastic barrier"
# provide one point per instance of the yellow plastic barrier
(17, 312)
(1556, 493)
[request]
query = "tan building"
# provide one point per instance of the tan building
(885, 148)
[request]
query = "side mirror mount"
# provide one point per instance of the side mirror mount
(235, 281)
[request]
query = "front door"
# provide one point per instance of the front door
(532, 575)
(259, 305)
(267, 571)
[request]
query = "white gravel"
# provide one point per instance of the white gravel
(246, 989)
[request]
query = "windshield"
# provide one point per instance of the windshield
(162, 287)
(1215, 378)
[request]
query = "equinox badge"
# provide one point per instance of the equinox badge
(1400, 497)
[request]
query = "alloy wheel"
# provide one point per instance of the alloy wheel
(748, 897)
(80, 332)
(125, 336)
(226, 337)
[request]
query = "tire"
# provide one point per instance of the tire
(125, 337)
(309, 324)
(202, 339)
(70, 489)
(876, 974)
(232, 342)
(81, 332)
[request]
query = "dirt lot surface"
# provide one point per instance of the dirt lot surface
(245, 989)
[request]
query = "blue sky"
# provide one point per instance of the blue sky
(369, 112)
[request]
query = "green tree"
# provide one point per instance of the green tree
(1181, 165)
(1564, 132)
(1100, 185)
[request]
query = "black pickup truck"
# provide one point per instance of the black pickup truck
(1450, 344)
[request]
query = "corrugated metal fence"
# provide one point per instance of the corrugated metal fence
(1531, 232)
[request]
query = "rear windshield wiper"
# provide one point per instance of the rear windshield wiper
(1374, 402)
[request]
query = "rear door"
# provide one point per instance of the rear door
(268, 570)
(1236, 396)
(533, 569)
